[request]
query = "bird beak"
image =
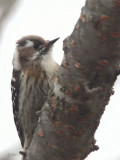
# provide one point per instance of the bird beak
(49, 44)
(53, 41)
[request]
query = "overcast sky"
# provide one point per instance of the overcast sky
(50, 19)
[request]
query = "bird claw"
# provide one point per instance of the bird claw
(23, 154)
(39, 111)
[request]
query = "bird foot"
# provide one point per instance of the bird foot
(23, 155)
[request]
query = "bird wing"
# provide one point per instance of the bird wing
(15, 85)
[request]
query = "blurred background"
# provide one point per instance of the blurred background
(49, 19)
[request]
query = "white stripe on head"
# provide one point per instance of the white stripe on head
(29, 43)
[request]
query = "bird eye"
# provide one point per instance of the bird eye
(36, 45)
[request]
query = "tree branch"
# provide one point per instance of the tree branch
(83, 86)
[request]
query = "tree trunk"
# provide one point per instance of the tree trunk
(83, 86)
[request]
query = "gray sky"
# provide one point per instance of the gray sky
(50, 19)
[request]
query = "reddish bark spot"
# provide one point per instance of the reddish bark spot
(116, 57)
(105, 89)
(91, 126)
(40, 133)
(73, 109)
(97, 24)
(51, 145)
(104, 62)
(77, 27)
(57, 79)
(117, 2)
(87, 142)
(77, 64)
(70, 127)
(83, 120)
(98, 68)
(65, 64)
(74, 136)
(77, 88)
(104, 37)
(82, 18)
(67, 92)
(58, 123)
(93, 115)
(103, 98)
(75, 157)
(72, 43)
(59, 132)
(53, 98)
(105, 17)
(79, 132)
(85, 157)
(53, 105)
(118, 66)
(93, 5)
(107, 103)
(116, 35)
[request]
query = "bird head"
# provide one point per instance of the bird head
(33, 51)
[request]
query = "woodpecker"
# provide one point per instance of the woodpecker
(33, 75)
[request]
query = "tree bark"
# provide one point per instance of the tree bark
(83, 86)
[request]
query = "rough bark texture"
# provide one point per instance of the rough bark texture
(90, 67)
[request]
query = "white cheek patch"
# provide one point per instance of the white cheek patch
(28, 43)
(48, 63)
(16, 62)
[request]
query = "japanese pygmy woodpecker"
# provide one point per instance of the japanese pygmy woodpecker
(33, 75)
